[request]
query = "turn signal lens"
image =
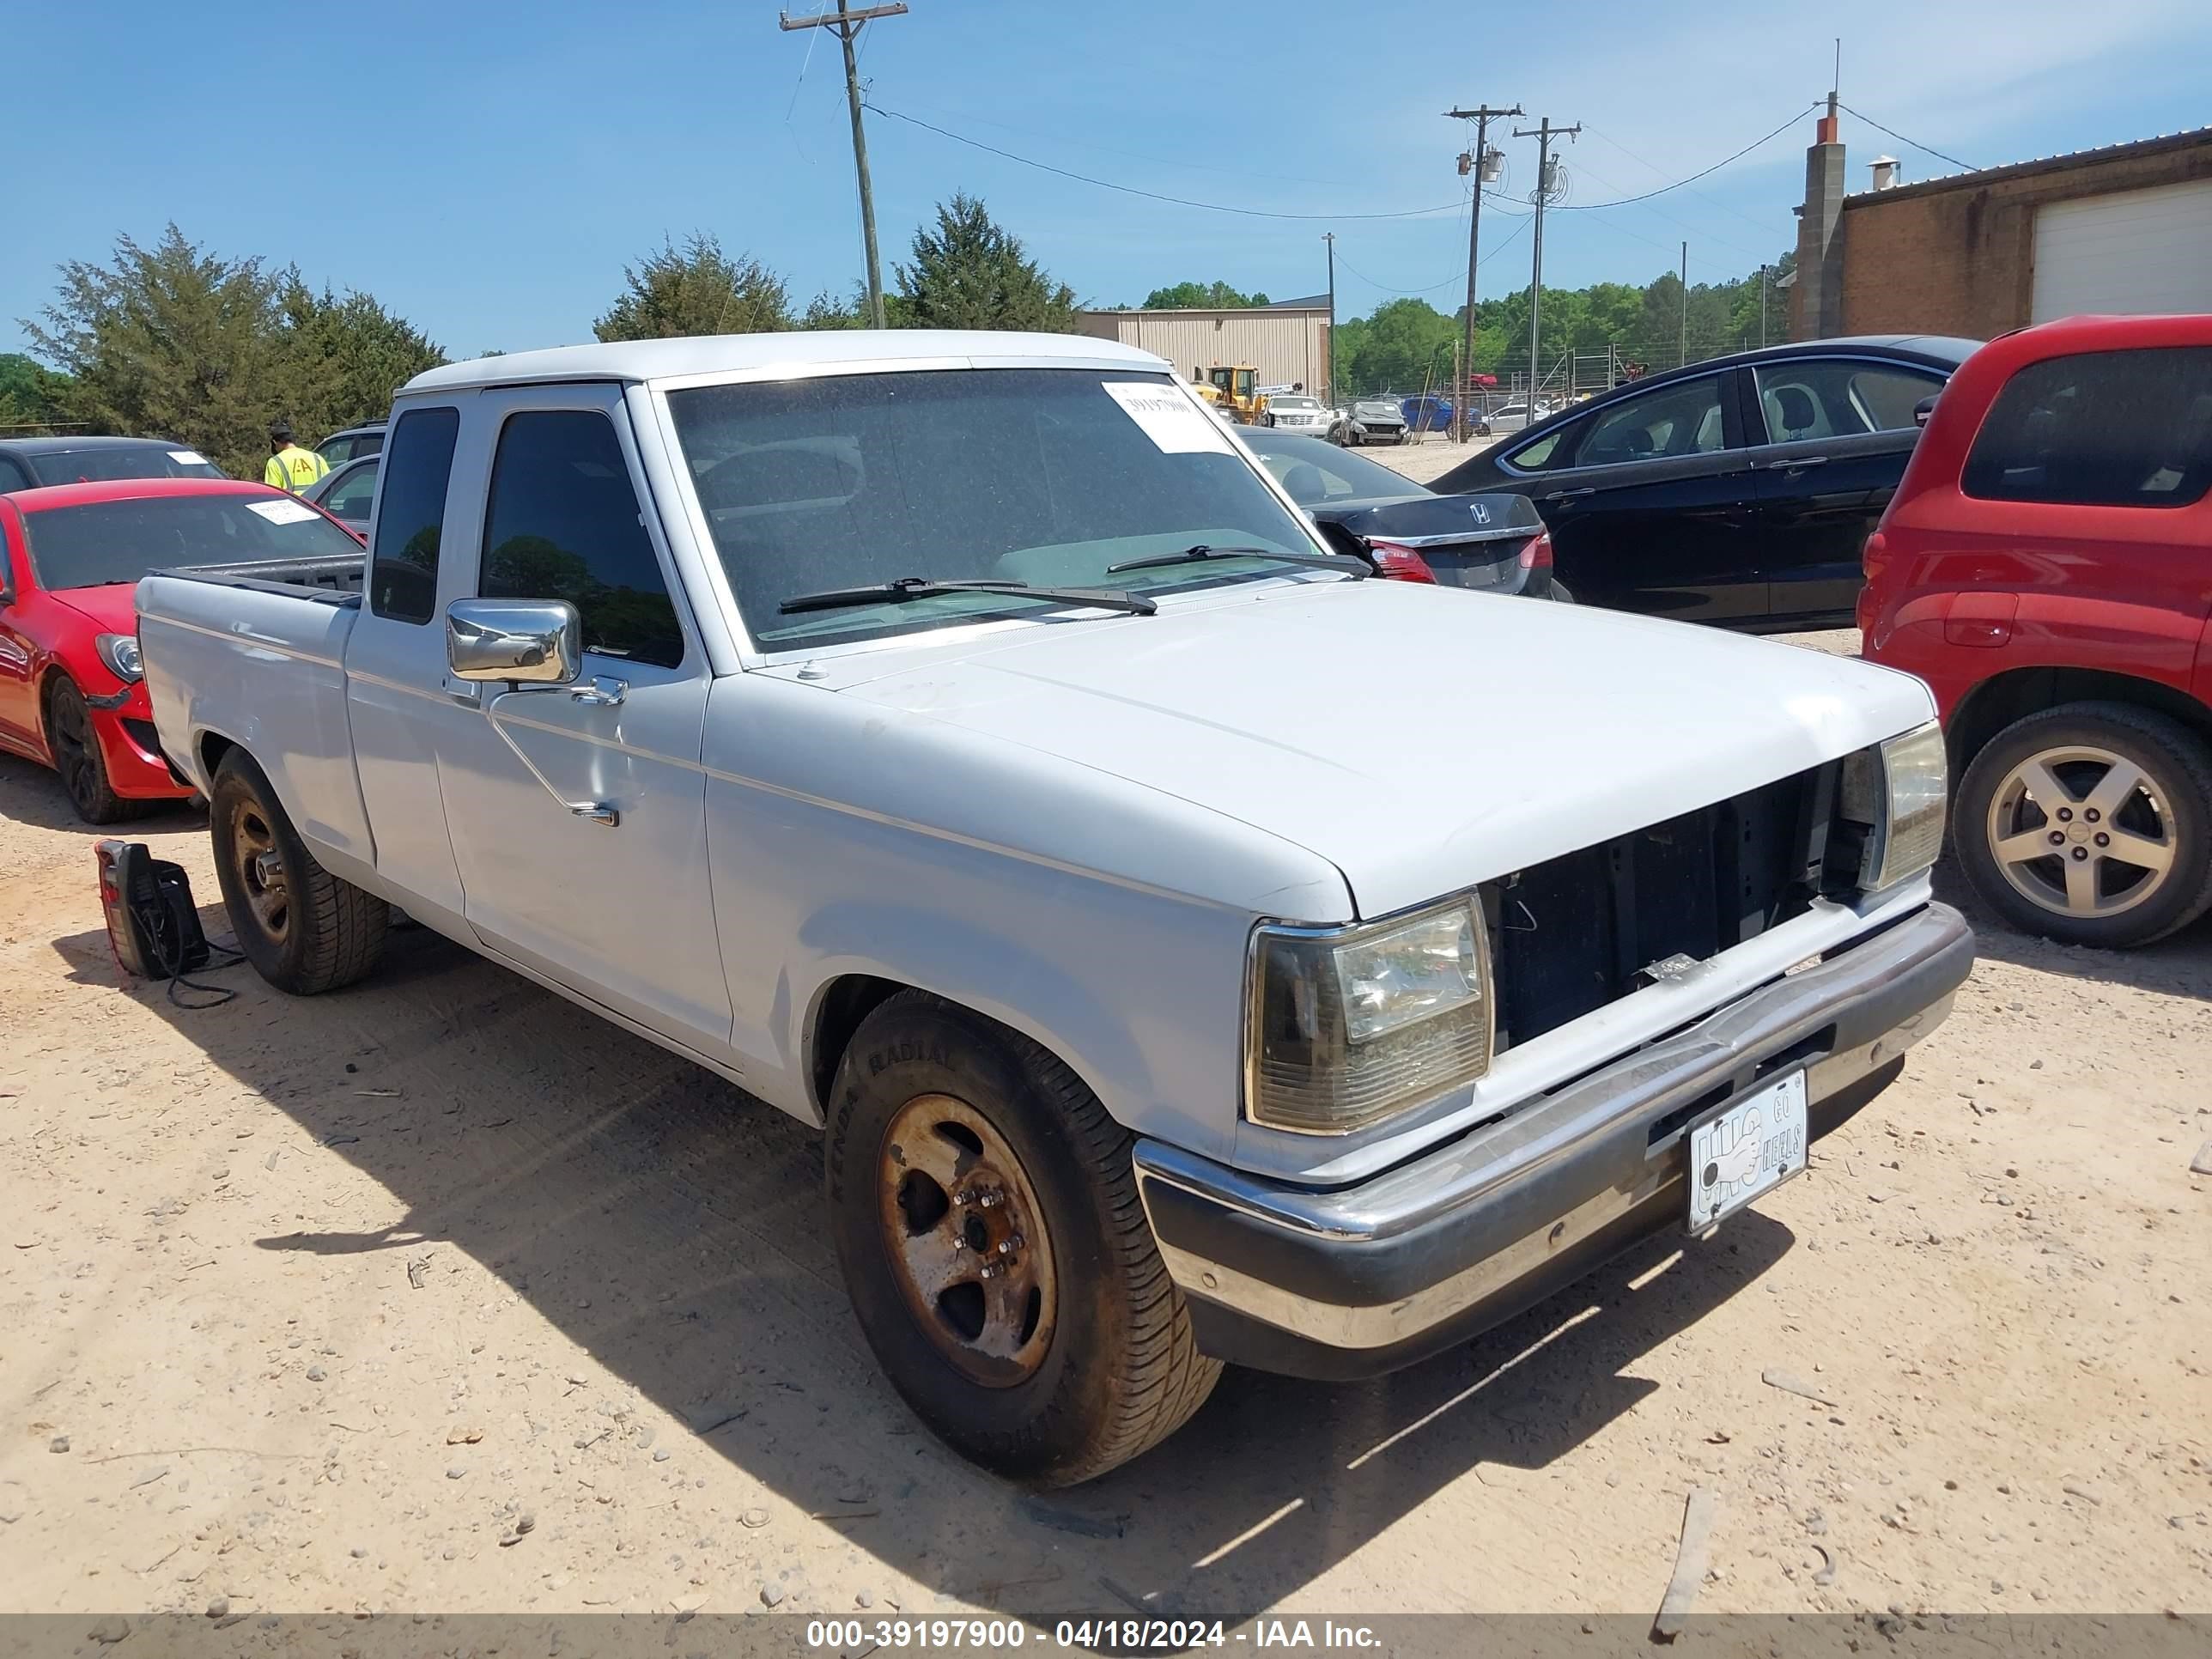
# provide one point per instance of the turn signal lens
(1537, 554)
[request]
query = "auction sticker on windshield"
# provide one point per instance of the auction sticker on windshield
(1748, 1147)
(1175, 424)
(281, 512)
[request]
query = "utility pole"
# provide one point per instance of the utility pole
(1683, 355)
(1329, 237)
(1546, 188)
(847, 23)
(1478, 162)
(1762, 307)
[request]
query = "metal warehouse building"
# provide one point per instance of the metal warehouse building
(1287, 343)
(2127, 228)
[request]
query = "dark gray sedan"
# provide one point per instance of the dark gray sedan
(1494, 544)
(347, 493)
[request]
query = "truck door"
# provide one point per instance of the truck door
(395, 661)
(578, 813)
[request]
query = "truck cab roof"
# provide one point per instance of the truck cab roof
(708, 357)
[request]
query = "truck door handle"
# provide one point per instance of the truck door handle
(595, 811)
(1796, 464)
(604, 692)
(1567, 494)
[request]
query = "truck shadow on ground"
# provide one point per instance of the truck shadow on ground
(34, 796)
(670, 1224)
(2179, 965)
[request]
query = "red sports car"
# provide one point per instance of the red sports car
(71, 558)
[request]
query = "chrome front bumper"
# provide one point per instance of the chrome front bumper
(1358, 1281)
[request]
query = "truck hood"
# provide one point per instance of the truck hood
(1421, 740)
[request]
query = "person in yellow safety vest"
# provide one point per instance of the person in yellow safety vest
(290, 467)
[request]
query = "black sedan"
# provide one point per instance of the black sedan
(1738, 491)
(29, 463)
(1494, 544)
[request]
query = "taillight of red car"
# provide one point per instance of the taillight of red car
(1537, 554)
(1874, 561)
(1399, 563)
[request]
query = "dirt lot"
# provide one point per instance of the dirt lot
(310, 1305)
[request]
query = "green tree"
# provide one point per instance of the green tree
(697, 290)
(1403, 344)
(30, 396)
(1201, 296)
(339, 358)
(175, 342)
(169, 341)
(970, 273)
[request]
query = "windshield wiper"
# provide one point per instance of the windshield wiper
(1344, 562)
(922, 588)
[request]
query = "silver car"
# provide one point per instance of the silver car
(1372, 421)
(1509, 418)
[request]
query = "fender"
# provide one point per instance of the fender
(952, 957)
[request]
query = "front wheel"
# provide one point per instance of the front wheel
(2090, 824)
(78, 758)
(986, 1216)
(304, 930)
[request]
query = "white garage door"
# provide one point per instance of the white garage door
(2136, 252)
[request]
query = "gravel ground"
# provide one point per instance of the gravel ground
(436, 1295)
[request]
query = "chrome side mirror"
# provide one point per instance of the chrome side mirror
(520, 641)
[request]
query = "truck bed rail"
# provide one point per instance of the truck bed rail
(326, 581)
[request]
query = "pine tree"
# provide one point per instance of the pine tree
(969, 273)
(697, 290)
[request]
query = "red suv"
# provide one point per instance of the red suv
(2046, 566)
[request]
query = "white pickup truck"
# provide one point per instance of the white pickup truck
(1192, 951)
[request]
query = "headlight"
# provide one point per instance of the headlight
(1899, 788)
(120, 653)
(1348, 1025)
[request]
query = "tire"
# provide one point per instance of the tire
(77, 757)
(304, 930)
(1078, 1355)
(2086, 890)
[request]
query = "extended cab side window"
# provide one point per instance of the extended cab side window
(402, 563)
(563, 524)
(2101, 428)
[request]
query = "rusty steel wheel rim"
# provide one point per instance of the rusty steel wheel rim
(260, 872)
(965, 1233)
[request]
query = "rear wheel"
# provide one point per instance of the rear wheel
(2091, 823)
(78, 759)
(304, 930)
(986, 1216)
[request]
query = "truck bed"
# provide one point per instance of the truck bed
(254, 654)
(326, 581)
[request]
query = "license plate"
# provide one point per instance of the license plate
(1748, 1147)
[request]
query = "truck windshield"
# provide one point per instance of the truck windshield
(98, 543)
(1046, 477)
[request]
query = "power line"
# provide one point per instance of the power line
(1140, 155)
(1914, 143)
(1713, 200)
(1796, 116)
(1153, 195)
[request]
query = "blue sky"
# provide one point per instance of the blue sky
(486, 168)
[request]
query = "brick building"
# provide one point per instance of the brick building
(2126, 229)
